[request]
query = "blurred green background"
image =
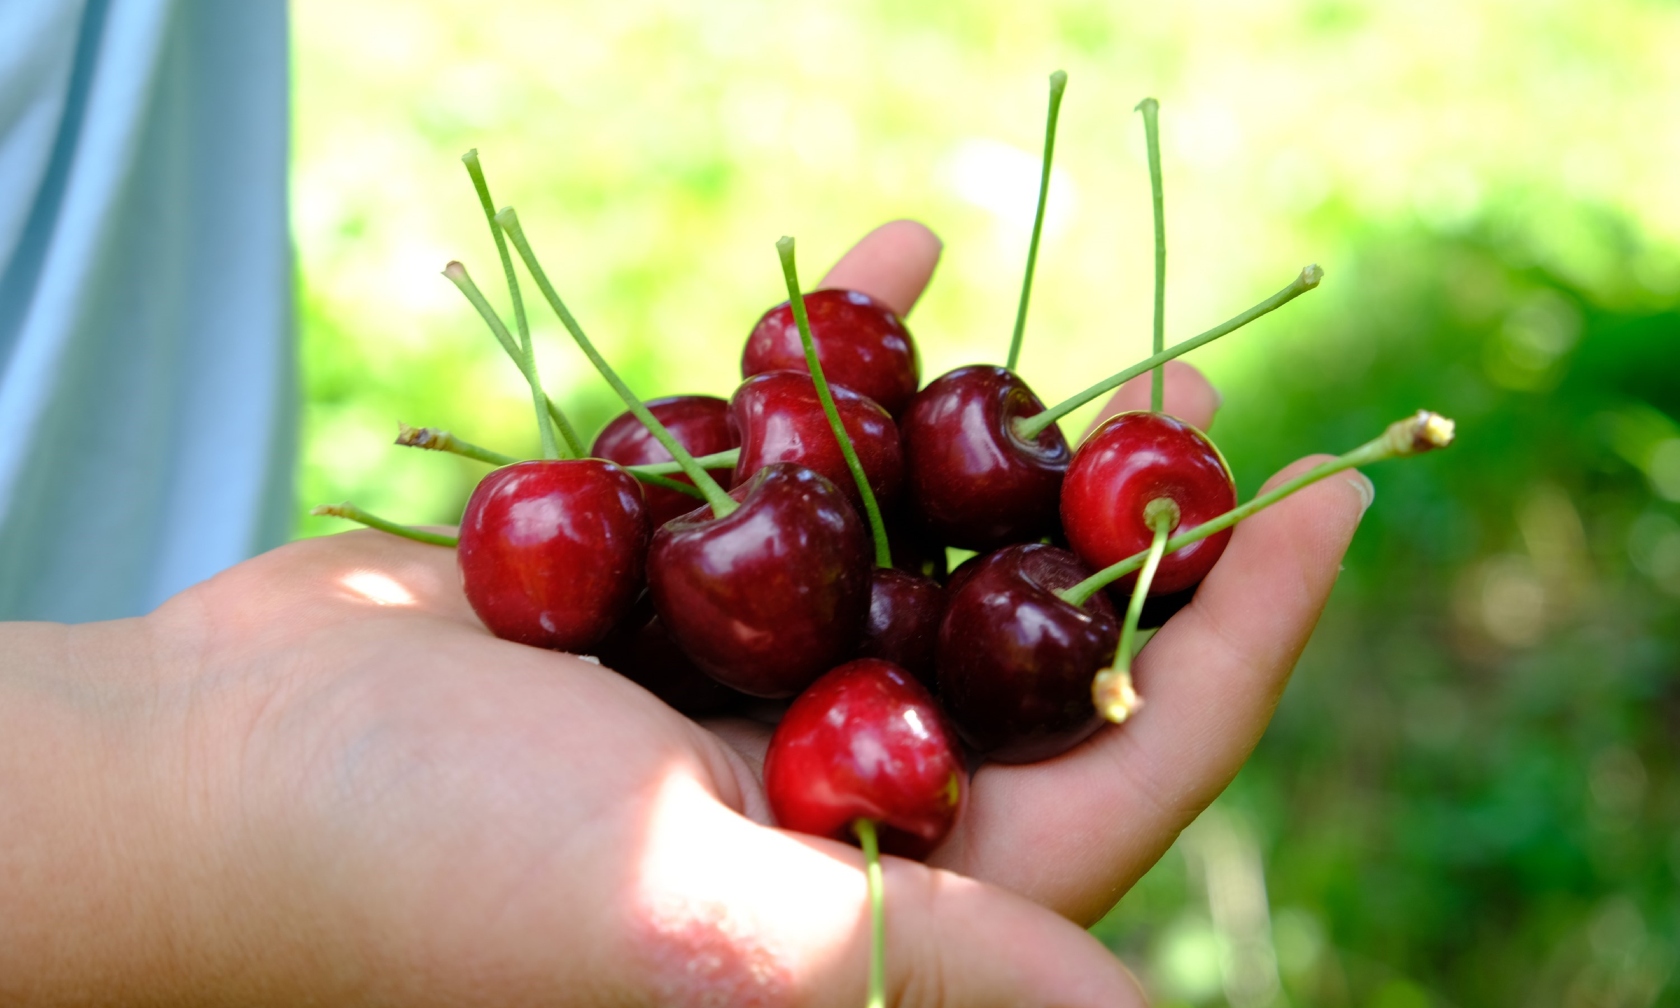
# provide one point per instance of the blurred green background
(1470, 794)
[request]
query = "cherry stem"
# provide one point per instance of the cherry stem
(653, 474)
(356, 514)
(865, 830)
(1423, 431)
(545, 409)
(458, 275)
(796, 301)
(1058, 84)
(1029, 428)
(722, 504)
(725, 459)
(1112, 690)
(436, 439)
(1151, 110)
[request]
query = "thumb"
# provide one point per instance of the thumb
(1188, 395)
(729, 912)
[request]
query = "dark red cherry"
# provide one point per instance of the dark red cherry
(1128, 461)
(972, 478)
(861, 343)
(769, 597)
(1016, 661)
(699, 423)
(866, 741)
(779, 418)
(903, 623)
(551, 551)
(641, 650)
(913, 547)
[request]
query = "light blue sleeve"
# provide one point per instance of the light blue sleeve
(147, 361)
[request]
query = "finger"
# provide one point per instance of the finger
(1187, 395)
(1097, 817)
(892, 264)
(729, 913)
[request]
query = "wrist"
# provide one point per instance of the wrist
(86, 856)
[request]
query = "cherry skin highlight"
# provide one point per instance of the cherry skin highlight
(779, 418)
(772, 595)
(551, 551)
(974, 481)
(1016, 661)
(1128, 461)
(866, 741)
(903, 623)
(861, 343)
(699, 423)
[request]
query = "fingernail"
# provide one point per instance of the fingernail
(1362, 485)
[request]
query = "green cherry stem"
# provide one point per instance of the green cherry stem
(1058, 84)
(1112, 689)
(538, 397)
(1151, 110)
(436, 439)
(865, 830)
(458, 276)
(1028, 428)
(725, 459)
(871, 507)
(1422, 431)
(722, 504)
(356, 514)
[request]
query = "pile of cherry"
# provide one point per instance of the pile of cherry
(791, 542)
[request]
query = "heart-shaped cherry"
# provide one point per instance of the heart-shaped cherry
(768, 597)
(972, 478)
(1128, 461)
(779, 417)
(551, 551)
(903, 624)
(700, 423)
(641, 650)
(862, 344)
(866, 741)
(1016, 660)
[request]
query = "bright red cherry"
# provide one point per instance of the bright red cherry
(642, 651)
(861, 343)
(770, 596)
(1016, 660)
(975, 481)
(699, 423)
(866, 741)
(903, 623)
(779, 418)
(551, 551)
(1128, 461)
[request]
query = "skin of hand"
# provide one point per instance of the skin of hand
(316, 777)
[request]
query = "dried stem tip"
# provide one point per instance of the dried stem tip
(1311, 275)
(420, 437)
(1422, 431)
(1113, 693)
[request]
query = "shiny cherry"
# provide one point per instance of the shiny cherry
(641, 649)
(779, 418)
(1128, 461)
(770, 596)
(866, 741)
(972, 478)
(903, 623)
(551, 551)
(699, 423)
(861, 343)
(1016, 661)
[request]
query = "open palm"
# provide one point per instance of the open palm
(372, 800)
